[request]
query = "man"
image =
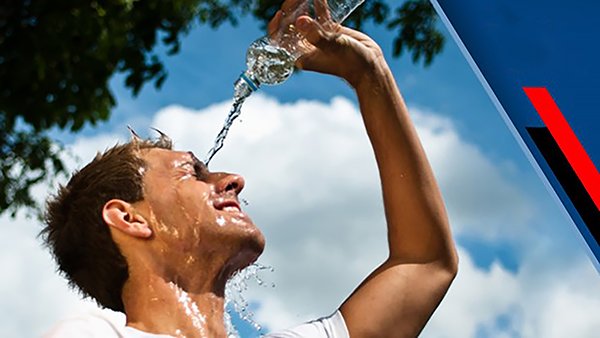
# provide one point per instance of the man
(153, 233)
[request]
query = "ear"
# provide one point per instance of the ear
(121, 216)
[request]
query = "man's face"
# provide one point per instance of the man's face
(195, 213)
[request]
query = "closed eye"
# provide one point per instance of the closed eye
(200, 169)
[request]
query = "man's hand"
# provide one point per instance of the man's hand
(339, 51)
(343, 52)
(398, 298)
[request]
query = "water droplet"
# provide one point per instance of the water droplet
(234, 297)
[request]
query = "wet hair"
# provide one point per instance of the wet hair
(75, 231)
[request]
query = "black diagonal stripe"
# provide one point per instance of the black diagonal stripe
(567, 178)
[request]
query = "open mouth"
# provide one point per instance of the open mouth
(231, 211)
(232, 208)
(228, 206)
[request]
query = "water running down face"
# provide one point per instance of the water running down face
(195, 215)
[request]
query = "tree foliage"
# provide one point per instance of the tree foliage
(56, 59)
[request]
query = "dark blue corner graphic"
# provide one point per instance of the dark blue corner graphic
(553, 44)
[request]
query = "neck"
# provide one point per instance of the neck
(172, 306)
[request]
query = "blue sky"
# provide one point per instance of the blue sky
(520, 257)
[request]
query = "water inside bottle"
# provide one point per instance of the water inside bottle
(270, 64)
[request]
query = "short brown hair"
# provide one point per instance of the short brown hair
(75, 231)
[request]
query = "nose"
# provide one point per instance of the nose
(230, 182)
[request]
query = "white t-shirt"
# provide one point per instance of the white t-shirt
(97, 325)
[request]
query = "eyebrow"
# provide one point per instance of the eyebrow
(193, 161)
(196, 161)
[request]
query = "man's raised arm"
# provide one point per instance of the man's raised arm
(398, 298)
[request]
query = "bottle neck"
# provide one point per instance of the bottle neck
(245, 85)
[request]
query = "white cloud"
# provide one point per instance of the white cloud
(32, 296)
(562, 303)
(481, 200)
(313, 189)
(475, 298)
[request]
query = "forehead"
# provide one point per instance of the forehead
(157, 158)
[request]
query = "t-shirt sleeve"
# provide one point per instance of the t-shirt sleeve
(327, 327)
(84, 326)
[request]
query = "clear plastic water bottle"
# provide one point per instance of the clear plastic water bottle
(270, 59)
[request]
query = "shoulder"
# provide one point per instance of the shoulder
(87, 325)
(327, 327)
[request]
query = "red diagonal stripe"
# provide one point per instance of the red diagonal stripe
(567, 141)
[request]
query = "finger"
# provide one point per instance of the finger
(360, 36)
(309, 61)
(315, 34)
(305, 61)
(322, 11)
(289, 6)
(274, 23)
(314, 62)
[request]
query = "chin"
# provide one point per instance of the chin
(239, 261)
(243, 247)
(242, 240)
(252, 248)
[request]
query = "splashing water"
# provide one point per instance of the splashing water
(234, 298)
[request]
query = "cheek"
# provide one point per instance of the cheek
(194, 210)
(178, 213)
(163, 229)
(194, 202)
